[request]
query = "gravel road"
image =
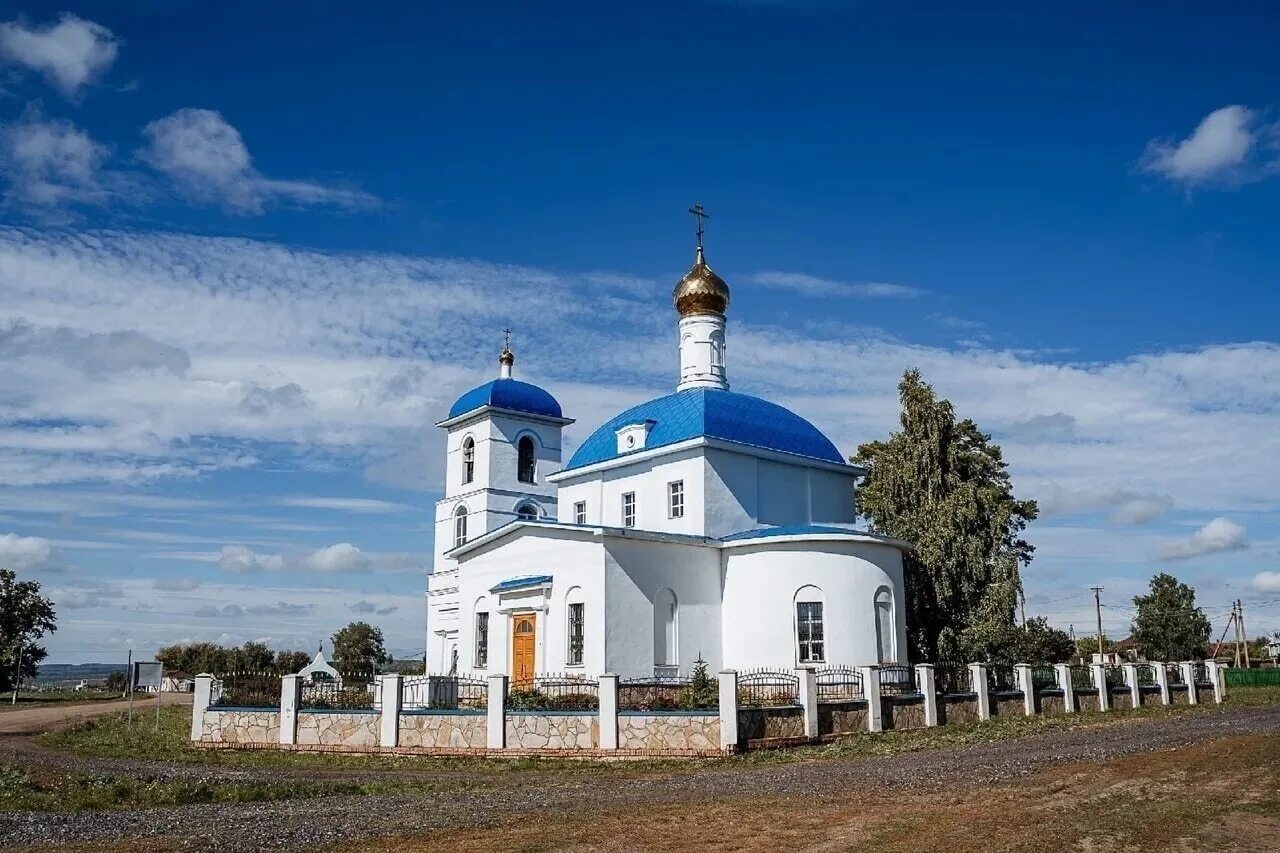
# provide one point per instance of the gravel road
(301, 824)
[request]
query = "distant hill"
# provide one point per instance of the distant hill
(57, 673)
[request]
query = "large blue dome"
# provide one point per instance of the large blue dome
(713, 413)
(508, 394)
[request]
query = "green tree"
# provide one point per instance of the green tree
(117, 682)
(1035, 642)
(195, 658)
(289, 662)
(1168, 625)
(254, 657)
(942, 485)
(25, 617)
(1087, 646)
(358, 649)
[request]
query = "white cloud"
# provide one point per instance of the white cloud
(238, 559)
(358, 505)
(50, 164)
(342, 557)
(22, 553)
(339, 558)
(368, 607)
(1267, 581)
(1124, 506)
(206, 159)
(809, 285)
(69, 54)
(1220, 534)
(1224, 148)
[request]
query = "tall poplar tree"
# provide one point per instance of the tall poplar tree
(942, 485)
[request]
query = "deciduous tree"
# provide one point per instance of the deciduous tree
(358, 649)
(1168, 625)
(942, 485)
(25, 617)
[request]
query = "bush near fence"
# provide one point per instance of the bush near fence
(554, 693)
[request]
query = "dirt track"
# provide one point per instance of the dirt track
(33, 721)
(305, 824)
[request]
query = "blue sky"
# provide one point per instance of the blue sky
(249, 257)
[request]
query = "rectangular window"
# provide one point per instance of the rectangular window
(580, 512)
(482, 640)
(577, 633)
(675, 499)
(809, 636)
(629, 509)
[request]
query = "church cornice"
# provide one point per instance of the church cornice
(484, 411)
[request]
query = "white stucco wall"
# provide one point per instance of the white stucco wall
(760, 585)
(635, 571)
(744, 491)
(649, 480)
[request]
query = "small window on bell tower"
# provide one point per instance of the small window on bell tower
(527, 460)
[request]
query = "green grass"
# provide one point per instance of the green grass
(38, 698)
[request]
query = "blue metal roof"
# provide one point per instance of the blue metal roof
(788, 530)
(521, 583)
(508, 394)
(714, 413)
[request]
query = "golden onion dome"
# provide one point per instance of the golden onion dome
(701, 290)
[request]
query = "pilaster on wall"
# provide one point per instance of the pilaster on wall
(871, 690)
(608, 692)
(1162, 679)
(1189, 679)
(928, 687)
(290, 699)
(1028, 687)
(389, 728)
(978, 681)
(808, 680)
(1064, 684)
(1100, 684)
(1216, 676)
(200, 703)
(1135, 689)
(497, 718)
(729, 710)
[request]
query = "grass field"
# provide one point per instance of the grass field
(37, 698)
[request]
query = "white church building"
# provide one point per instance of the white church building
(702, 523)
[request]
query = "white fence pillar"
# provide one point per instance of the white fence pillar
(497, 719)
(1162, 679)
(1131, 679)
(1100, 684)
(871, 690)
(200, 703)
(928, 687)
(978, 683)
(390, 695)
(808, 680)
(1216, 676)
(729, 710)
(1022, 671)
(1064, 684)
(290, 699)
(1189, 679)
(608, 711)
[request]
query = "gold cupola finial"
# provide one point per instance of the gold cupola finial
(506, 358)
(701, 290)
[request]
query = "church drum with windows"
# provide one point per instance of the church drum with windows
(702, 524)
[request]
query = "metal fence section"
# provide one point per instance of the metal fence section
(765, 688)
(952, 678)
(248, 690)
(1044, 677)
(1146, 675)
(897, 679)
(668, 693)
(1114, 676)
(353, 693)
(1001, 678)
(1081, 676)
(1173, 672)
(1240, 677)
(565, 692)
(443, 692)
(838, 684)
(1200, 673)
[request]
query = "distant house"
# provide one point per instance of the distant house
(177, 681)
(1123, 651)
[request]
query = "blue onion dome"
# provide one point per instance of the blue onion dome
(511, 394)
(714, 413)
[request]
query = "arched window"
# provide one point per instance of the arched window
(459, 526)
(468, 459)
(575, 627)
(885, 633)
(527, 460)
(665, 612)
(811, 634)
(527, 512)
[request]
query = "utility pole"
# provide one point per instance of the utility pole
(1235, 619)
(1231, 621)
(1022, 607)
(1097, 606)
(1244, 635)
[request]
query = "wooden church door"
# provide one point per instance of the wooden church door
(523, 644)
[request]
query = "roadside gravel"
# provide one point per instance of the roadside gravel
(302, 824)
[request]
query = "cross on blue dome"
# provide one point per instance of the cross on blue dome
(713, 413)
